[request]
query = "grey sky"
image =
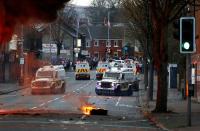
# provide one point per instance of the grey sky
(82, 2)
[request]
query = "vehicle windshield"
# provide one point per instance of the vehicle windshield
(111, 75)
(44, 74)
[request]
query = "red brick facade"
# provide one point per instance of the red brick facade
(196, 56)
(100, 48)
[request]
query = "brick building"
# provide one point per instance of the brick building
(101, 45)
(196, 57)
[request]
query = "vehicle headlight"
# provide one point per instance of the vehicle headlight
(114, 84)
(99, 83)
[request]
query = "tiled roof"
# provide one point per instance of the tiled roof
(101, 32)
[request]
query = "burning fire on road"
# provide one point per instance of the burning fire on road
(92, 110)
(87, 109)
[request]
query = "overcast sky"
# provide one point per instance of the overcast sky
(82, 2)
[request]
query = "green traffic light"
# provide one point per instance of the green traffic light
(186, 45)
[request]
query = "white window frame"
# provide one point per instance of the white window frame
(96, 41)
(108, 45)
(88, 44)
(116, 43)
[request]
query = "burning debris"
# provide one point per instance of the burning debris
(92, 110)
(15, 12)
(87, 109)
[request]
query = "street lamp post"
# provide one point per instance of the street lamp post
(21, 62)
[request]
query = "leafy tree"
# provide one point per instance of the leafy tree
(162, 13)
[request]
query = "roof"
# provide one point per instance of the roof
(101, 32)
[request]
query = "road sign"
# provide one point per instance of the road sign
(21, 61)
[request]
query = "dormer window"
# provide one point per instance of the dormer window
(96, 43)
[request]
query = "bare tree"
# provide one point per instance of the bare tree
(162, 13)
(66, 18)
(99, 10)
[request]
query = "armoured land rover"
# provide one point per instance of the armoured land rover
(118, 83)
(49, 80)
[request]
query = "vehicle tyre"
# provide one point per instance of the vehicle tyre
(62, 89)
(77, 78)
(130, 91)
(135, 87)
(117, 92)
(97, 92)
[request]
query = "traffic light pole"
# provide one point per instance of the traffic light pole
(190, 83)
(188, 67)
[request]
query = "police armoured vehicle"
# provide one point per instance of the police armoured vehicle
(121, 82)
(101, 68)
(82, 70)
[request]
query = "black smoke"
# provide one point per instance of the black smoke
(13, 12)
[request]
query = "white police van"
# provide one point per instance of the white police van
(49, 80)
(82, 70)
(121, 82)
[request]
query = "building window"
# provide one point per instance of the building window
(115, 54)
(96, 54)
(87, 44)
(115, 44)
(108, 44)
(96, 43)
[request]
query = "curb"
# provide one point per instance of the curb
(10, 91)
(153, 119)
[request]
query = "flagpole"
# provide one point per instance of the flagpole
(108, 22)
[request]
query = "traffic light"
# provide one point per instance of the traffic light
(187, 35)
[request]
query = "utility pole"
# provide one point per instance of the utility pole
(21, 42)
(190, 82)
(146, 54)
(50, 44)
(108, 25)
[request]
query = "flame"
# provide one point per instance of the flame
(87, 109)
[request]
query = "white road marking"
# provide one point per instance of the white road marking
(56, 99)
(117, 103)
(86, 85)
(123, 105)
(33, 108)
(6, 96)
(50, 101)
(42, 104)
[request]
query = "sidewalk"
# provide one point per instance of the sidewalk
(6, 88)
(176, 119)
